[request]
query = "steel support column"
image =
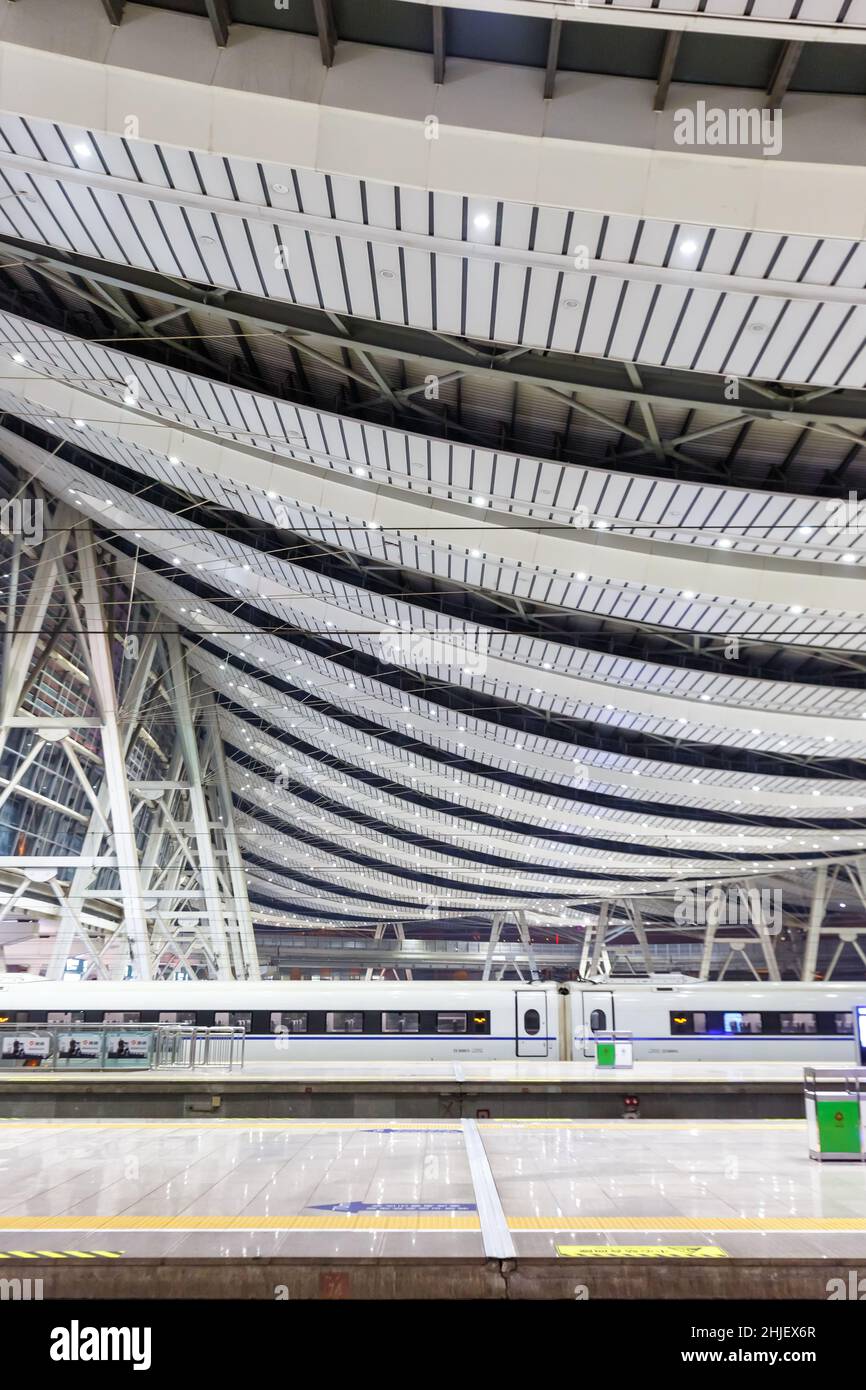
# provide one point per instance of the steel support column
(178, 676)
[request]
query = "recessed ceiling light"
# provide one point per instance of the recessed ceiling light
(481, 221)
(280, 187)
(18, 357)
(480, 502)
(386, 274)
(689, 247)
(83, 151)
(849, 559)
(725, 544)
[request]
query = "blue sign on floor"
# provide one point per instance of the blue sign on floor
(354, 1208)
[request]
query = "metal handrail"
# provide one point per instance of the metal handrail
(120, 1046)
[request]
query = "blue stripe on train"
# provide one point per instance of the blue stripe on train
(500, 1037)
(401, 1037)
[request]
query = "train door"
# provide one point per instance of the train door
(598, 1017)
(531, 1034)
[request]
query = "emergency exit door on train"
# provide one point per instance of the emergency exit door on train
(597, 1017)
(531, 1023)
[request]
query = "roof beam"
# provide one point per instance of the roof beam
(327, 30)
(789, 57)
(666, 68)
(393, 341)
(114, 10)
(552, 58)
(220, 18)
(438, 14)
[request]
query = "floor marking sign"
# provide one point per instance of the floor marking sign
(431, 1129)
(659, 1252)
(354, 1208)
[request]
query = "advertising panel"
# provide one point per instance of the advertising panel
(24, 1046)
(128, 1048)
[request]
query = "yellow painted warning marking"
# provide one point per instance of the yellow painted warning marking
(656, 1252)
(59, 1254)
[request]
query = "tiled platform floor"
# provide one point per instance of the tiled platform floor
(291, 1188)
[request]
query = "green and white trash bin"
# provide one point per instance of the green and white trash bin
(836, 1113)
(613, 1050)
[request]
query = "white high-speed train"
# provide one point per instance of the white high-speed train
(679, 1020)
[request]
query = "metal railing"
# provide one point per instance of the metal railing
(183, 1047)
(119, 1047)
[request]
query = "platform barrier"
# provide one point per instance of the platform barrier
(187, 1048)
(113, 1047)
(835, 1098)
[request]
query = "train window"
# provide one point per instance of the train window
(742, 1023)
(288, 1023)
(450, 1023)
(120, 1017)
(400, 1023)
(182, 1016)
(531, 1022)
(798, 1023)
(734, 1022)
(230, 1019)
(69, 1016)
(598, 1020)
(344, 1023)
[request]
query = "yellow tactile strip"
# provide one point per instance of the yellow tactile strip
(370, 1221)
(684, 1223)
(322, 1221)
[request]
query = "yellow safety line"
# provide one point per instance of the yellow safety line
(642, 1125)
(432, 1126)
(406, 1221)
(214, 1122)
